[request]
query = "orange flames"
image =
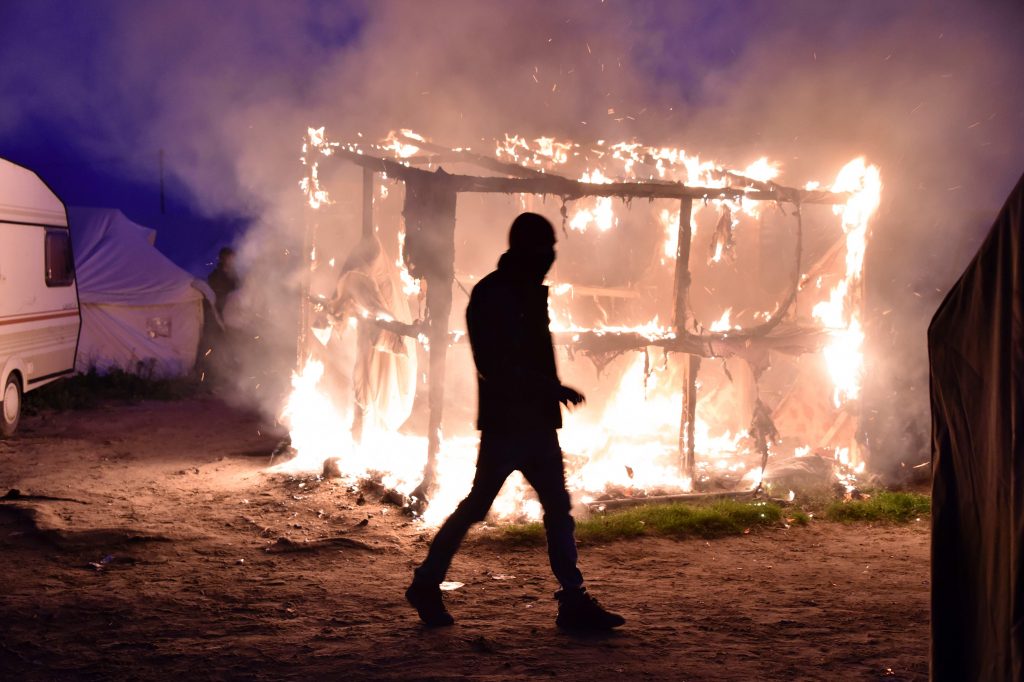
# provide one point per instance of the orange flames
(628, 441)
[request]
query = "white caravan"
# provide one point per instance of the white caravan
(39, 318)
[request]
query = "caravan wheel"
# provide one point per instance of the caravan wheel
(10, 408)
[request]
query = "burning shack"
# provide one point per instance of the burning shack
(714, 317)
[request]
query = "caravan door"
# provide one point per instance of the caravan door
(39, 317)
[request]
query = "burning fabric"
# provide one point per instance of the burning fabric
(384, 377)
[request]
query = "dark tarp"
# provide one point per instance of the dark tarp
(975, 349)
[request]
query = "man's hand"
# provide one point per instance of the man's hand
(570, 396)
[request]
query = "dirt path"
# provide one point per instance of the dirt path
(160, 569)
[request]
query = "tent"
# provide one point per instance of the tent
(141, 313)
(976, 353)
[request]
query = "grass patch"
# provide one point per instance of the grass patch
(84, 391)
(881, 507)
(719, 519)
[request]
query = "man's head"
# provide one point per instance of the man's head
(226, 259)
(531, 242)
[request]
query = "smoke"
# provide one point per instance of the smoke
(928, 91)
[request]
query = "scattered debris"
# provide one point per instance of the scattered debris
(451, 585)
(283, 451)
(109, 560)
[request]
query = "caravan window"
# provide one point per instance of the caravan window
(60, 268)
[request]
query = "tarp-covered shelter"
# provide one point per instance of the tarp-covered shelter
(141, 313)
(976, 350)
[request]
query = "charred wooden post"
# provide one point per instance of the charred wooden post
(439, 307)
(687, 418)
(681, 310)
(430, 254)
(368, 178)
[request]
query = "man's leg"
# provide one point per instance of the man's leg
(424, 594)
(491, 471)
(544, 470)
(449, 537)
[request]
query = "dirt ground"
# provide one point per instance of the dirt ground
(176, 555)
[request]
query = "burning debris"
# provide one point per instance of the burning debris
(705, 404)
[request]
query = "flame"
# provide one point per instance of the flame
(761, 170)
(596, 211)
(840, 312)
(544, 150)
(630, 440)
(724, 324)
(402, 148)
(321, 430)
(410, 285)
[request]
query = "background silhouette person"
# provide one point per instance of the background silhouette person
(519, 394)
(224, 278)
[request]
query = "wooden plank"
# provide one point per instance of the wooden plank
(551, 184)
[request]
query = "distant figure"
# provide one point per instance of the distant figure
(215, 342)
(224, 279)
(518, 416)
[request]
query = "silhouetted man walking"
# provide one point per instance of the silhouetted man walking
(518, 416)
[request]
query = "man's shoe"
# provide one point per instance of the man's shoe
(426, 599)
(577, 610)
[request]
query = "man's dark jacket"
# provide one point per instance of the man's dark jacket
(508, 322)
(223, 284)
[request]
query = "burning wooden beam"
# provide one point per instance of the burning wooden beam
(550, 184)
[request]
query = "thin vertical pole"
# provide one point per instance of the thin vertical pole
(439, 306)
(688, 424)
(687, 417)
(682, 275)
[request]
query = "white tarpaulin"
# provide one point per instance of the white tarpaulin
(140, 312)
